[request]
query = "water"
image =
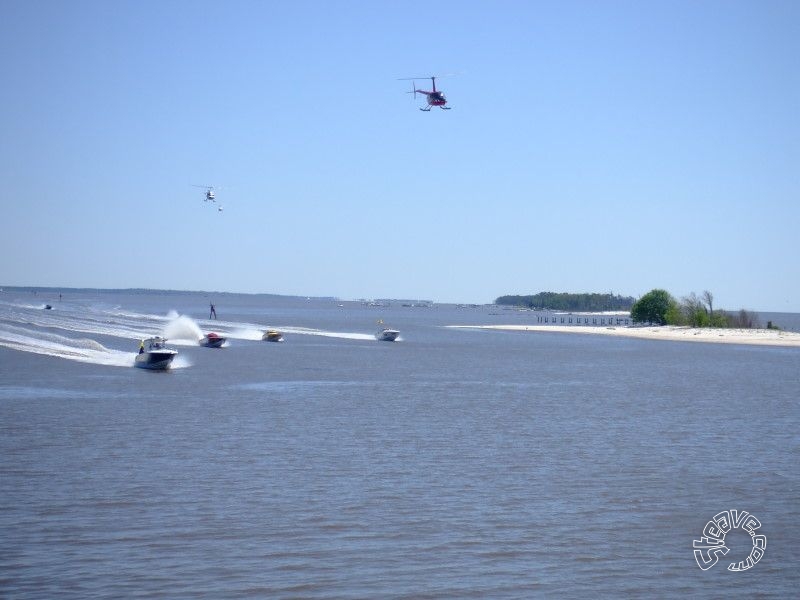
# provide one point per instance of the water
(451, 464)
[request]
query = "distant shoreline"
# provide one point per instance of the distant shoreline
(756, 337)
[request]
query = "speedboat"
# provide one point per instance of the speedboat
(387, 335)
(212, 340)
(272, 335)
(153, 354)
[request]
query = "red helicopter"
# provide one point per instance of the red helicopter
(434, 97)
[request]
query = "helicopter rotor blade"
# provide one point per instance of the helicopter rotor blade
(429, 76)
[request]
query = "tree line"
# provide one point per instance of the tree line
(661, 308)
(569, 302)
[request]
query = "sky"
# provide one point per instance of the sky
(599, 146)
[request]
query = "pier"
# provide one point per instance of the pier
(585, 319)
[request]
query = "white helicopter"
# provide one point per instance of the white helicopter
(210, 197)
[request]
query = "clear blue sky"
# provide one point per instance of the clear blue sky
(592, 146)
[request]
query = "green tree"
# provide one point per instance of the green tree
(696, 311)
(653, 307)
(674, 315)
(565, 301)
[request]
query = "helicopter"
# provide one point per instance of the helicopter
(209, 192)
(210, 197)
(434, 97)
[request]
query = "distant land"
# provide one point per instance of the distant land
(217, 293)
(144, 291)
(574, 302)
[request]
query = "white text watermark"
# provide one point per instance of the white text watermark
(712, 544)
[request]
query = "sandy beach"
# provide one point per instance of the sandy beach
(758, 337)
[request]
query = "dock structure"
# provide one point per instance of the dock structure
(585, 319)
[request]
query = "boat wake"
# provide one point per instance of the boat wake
(182, 331)
(50, 344)
(109, 335)
(181, 362)
(252, 332)
(341, 335)
(61, 332)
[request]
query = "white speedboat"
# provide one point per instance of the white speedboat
(387, 335)
(153, 354)
(272, 335)
(212, 340)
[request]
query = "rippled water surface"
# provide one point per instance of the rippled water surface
(450, 464)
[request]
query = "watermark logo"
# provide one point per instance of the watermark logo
(712, 544)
